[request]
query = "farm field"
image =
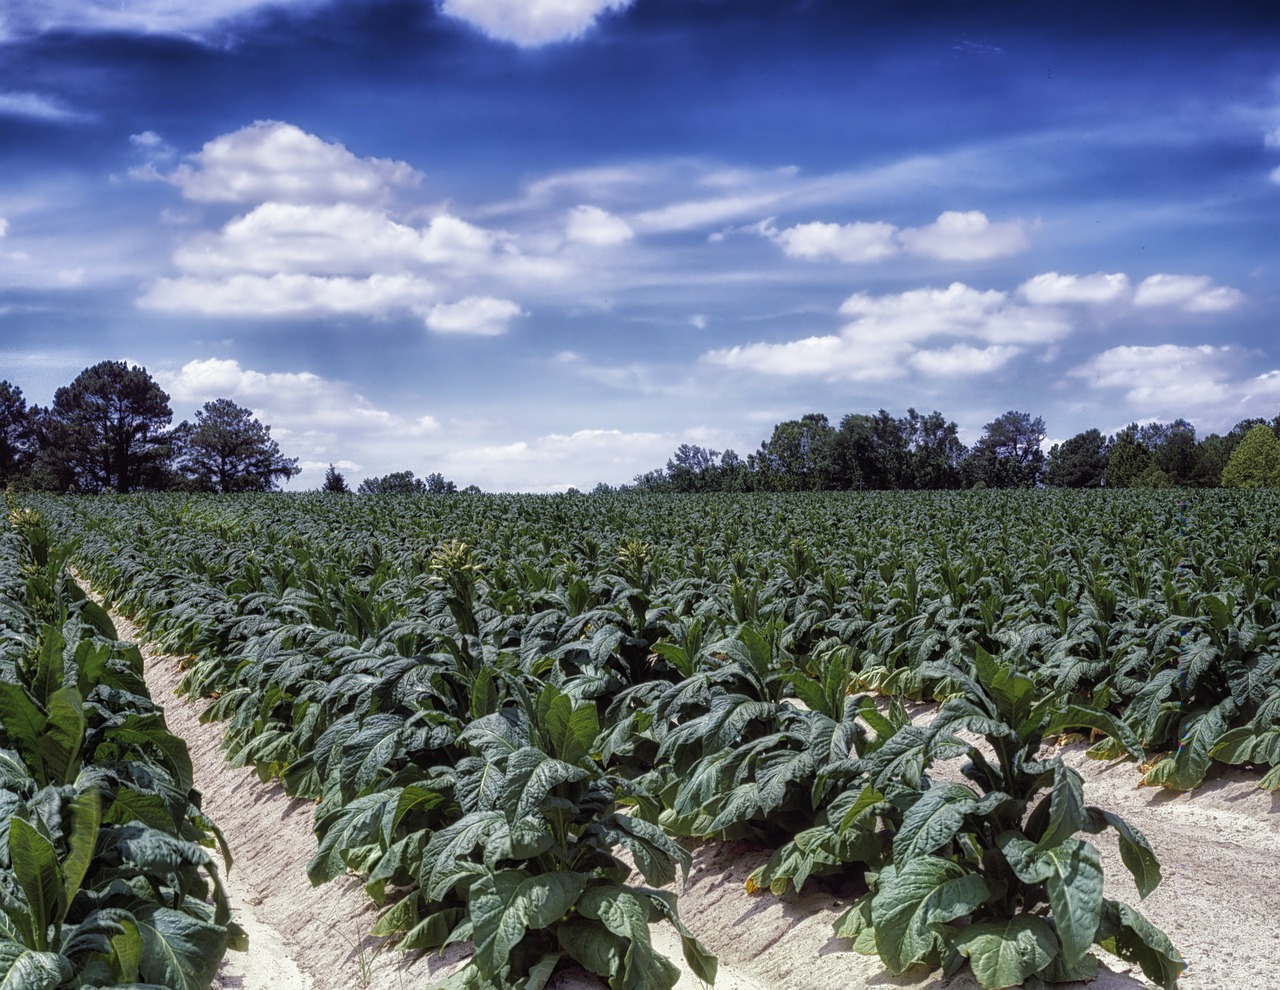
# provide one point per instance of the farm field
(471, 691)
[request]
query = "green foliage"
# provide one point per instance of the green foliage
(228, 450)
(1255, 462)
(104, 876)
(390, 662)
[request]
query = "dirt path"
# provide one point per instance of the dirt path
(1219, 902)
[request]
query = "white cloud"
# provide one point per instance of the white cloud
(316, 419)
(481, 316)
(962, 360)
(180, 17)
(1275, 175)
(1193, 293)
(271, 160)
(596, 227)
(4, 227)
(1162, 380)
(340, 238)
(1052, 289)
(556, 461)
(970, 236)
(850, 242)
(691, 214)
(1272, 139)
(883, 340)
(290, 295)
(35, 105)
(529, 23)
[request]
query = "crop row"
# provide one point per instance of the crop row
(475, 689)
(106, 878)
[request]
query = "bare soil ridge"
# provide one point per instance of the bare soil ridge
(1219, 902)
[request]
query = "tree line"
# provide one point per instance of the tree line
(111, 430)
(881, 452)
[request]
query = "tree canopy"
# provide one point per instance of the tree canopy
(108, 430)
(1255, 462)
(228, 450)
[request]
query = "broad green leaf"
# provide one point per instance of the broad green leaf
(1248, 744)
(23, 721)
(1066, 806)
(1135, 851)
(913, 899)
(700, 961)
(1078, 716)
(593, 947)
(623, 914)
(933, 821)
(1127, 934)
(86, 817)
(571, 731)
(540, 972)
(23, 968)
(1005, 953)
(504, 905)
(35, 863)
(178, 951)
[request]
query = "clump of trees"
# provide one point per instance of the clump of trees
(110, 431)
(913, 452)
(404, 483)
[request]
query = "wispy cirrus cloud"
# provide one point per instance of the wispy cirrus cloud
(189, 18)
(38, 106)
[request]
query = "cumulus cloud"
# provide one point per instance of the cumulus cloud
(850, 242)
(1165, 379)
(969, 236)
(963, 360)
(596, 227)
(1052, 289)
(290, 295)
(1193, 293)
(884, 339)
(272, 160)
(530, 23)
(316, 419)
(341, 238)
(321, 237)
(481, 316)
(953, 236)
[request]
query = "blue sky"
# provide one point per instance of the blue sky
(540, 243)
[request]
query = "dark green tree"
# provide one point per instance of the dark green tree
(1080, 462)
(228, 450)
(1127, 458)
(334, 482)
(937, 454)
(1008, 453)
(17, 435)
(404, 483)
(438, 484)
(693, 469)
(108, 431)
(798, 455)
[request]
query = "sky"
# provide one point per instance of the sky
(534, 244)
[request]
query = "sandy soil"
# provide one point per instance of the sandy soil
(1219, 902)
